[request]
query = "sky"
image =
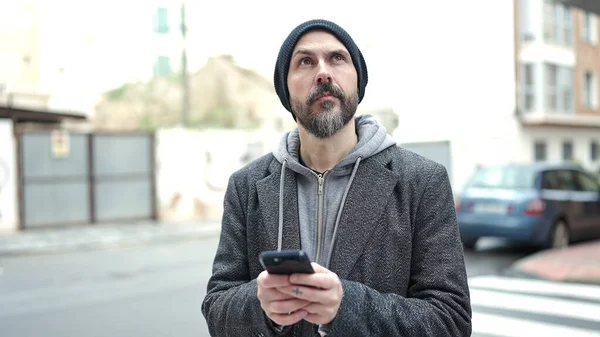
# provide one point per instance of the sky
(418, 53)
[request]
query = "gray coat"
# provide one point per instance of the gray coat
(398, 252)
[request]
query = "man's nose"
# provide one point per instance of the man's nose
(324, 74)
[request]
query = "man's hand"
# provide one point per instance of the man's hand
(281, 308)
(322, 289)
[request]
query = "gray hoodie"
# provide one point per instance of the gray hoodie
(320, 195)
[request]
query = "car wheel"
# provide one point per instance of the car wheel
(559, 238)
(469, 242)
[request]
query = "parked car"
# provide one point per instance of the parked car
(546, 205)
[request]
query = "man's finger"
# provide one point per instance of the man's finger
(313, 295)
(319, 313)
(272, 281)
(288, 319)
(271, 294)
(286, 306)
(318, 268)
(317, 280)
(306, 293)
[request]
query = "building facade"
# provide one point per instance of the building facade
(51, 58)
(557, 67)
(527, 91)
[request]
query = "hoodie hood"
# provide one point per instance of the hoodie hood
(372, 139)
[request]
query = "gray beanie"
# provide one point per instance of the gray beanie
(285, 54)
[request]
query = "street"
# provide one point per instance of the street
(157, 290)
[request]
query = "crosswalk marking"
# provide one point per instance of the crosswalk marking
(537, 287)
(513, 327)
(511, 307)
(540, 305)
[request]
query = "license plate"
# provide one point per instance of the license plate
(490, 208)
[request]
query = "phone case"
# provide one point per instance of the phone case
(286, 262)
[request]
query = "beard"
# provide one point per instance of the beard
(328, 122)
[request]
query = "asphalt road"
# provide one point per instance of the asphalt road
(153, 290)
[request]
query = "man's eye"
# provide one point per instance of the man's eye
(305, 61)
(338, 57)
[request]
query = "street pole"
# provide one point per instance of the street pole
(184, 70)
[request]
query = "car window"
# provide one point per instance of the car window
(558, 180)
(565, 180)
(510, 177)
(585, 183)
(550, 181)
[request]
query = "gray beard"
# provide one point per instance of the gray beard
(328, 122)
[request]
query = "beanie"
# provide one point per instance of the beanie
(285, 54)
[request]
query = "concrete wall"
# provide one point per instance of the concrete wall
(193, 168)
(8, 179)
(554, 138)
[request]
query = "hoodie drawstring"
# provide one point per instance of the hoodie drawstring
(281, 183)
(339, 215)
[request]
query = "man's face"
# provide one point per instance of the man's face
(322, 83)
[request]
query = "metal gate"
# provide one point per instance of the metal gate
(81, 178)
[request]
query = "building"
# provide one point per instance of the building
(529, 92)
(558, 64)
(53, 59)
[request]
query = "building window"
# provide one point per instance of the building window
(559, 89)
(551, 92)
(589, 29)
(527, 28)
(594, 151)
(558, 23)
(161, 22)
(590, 90)
(539, 151)
(162, 66)
(567, 151)
(528, 87)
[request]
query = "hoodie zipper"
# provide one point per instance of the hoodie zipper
(320, 206)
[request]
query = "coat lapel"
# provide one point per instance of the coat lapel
(367, 198)
(268, 197)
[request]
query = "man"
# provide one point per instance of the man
(377, 221)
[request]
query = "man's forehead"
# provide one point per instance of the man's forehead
(319, 39)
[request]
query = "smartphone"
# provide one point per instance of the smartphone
(286, 262)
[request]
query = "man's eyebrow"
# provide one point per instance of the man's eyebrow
(340, 51)
(311, 53)
(303, 52)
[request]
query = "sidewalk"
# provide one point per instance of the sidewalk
(579, 263)
(90, 237)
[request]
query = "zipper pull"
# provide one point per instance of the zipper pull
(321, 180)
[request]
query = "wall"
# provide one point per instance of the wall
(554, 137)
(193, 168)
(588, 59)
(8, 181)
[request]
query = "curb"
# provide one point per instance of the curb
(57, 247)
(578, 264)
(516, 272)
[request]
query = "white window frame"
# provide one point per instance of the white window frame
(590, 89)
(562, 89)
(544, 147)
(528, 89)
(558, 23)
(589, 27)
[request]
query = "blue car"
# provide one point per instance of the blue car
(545, 205)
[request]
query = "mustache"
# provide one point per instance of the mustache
(323, 88)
